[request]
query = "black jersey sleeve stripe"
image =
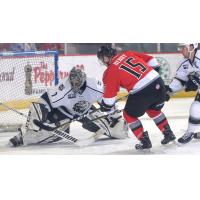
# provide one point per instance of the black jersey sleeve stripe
(197, 58)
(181, 81)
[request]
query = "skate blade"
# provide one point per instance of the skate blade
(144, 151)
(172, 143)
(176, 143)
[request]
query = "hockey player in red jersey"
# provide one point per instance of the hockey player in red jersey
(134, 72)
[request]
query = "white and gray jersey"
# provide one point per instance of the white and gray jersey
(70, 103)
(185, 68)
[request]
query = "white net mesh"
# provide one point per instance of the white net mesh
(23, 78)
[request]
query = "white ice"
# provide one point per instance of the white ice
(176, 111)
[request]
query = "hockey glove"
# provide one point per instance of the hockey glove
(193, 82)
(114, 118)
(106, 108)
(168, 91)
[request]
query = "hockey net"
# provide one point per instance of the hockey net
(24, 77)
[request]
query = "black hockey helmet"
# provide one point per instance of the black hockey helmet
(106, 51)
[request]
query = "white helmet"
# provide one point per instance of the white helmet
(188, 45)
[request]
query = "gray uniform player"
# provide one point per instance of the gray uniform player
(188, 78)
(72, 98)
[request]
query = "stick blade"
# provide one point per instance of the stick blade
(43, 125)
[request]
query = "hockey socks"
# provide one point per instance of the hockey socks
(135, 125)
(159, 119)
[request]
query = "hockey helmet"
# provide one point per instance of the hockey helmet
(188, 45)
(77, 78)
(106, 51)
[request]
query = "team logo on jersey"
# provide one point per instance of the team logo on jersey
(61, 87)
(157, 86)
(81, 107)
(164, 69)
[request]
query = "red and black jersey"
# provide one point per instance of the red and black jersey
(125, 70)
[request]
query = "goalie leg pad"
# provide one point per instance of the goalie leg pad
(114, 127)
(37, 111)
(31, 137)
(97, 125)
(120, 130)
(31, 133)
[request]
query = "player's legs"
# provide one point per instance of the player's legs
(193, 122)
(161, 122)
(150, 100)
(154, 111)
(135, 107)
(136, 127)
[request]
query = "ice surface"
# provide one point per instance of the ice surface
(176, 110)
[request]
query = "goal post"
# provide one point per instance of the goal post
(24, 77)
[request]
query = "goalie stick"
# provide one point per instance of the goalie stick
(72, 139)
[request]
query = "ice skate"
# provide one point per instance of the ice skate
(187, 137)
(16, 140)
(197, 135)
(168, 135)
(145, 142)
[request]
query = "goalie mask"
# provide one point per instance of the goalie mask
(77, 78)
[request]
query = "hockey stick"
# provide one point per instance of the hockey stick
(69, 138)
(104, 116)
(49, 127)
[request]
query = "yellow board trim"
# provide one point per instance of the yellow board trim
(177, 95)
(19, 104)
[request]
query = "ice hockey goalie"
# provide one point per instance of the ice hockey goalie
(72, 98)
